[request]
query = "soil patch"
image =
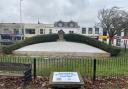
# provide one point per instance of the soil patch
(42, 83)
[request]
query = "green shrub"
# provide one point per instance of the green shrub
(30, 41)
(114, 51)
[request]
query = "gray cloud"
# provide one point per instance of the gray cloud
(49, 11)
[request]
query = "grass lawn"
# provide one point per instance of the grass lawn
(105, 66)
(114, 66)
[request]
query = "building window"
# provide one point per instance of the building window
(41, 31)
(71, 24)
(118, 42)
(71, 32)
(126, 32)
(119, 33)
(22, 30)
(90, 30)
(6, 31)
(96, 30)
(16, 31)
(6, 36)
(83, 30)
(104, 33)
(30, 31)
(50, 31)
(60, 24)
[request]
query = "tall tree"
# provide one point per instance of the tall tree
(113, 21)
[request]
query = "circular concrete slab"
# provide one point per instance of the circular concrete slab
(60, 48)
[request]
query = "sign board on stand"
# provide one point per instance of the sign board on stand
(66, 80)
(65, 77)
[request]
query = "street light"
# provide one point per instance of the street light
(21, 24)
(21, 11)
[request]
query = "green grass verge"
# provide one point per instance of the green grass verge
(105, 67)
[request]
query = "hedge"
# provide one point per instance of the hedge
(30, 41)
(114, 51)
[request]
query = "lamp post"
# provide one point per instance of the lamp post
(21, 24)
(21, 11)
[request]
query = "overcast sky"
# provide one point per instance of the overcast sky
(48, 11)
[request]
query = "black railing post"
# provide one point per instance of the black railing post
(94, 70)
(34, 68)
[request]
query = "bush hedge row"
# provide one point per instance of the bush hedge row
(29, 41)
(114, 51)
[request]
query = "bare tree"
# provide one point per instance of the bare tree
(113, 21)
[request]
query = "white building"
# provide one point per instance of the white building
(93, 32)
(16, 31)
(40, 29)
(37, 29)
(67, 27)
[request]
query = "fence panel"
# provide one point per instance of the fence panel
(112, 67)
(47, 65)
(105, 67)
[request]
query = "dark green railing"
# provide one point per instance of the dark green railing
(105, 67)
(48, 65)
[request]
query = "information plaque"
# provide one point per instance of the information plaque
(65, 77)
